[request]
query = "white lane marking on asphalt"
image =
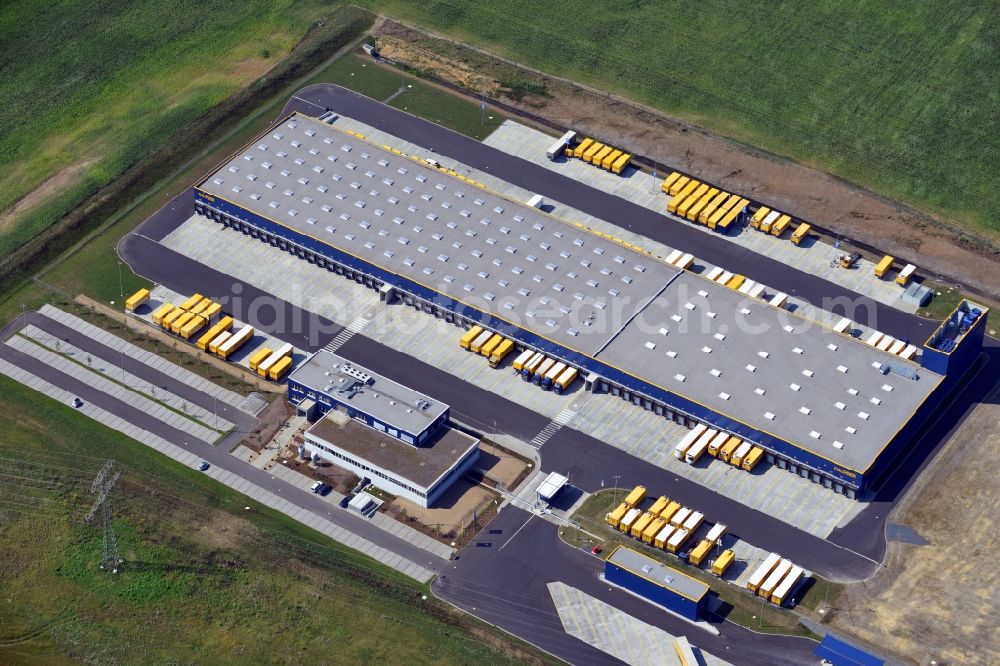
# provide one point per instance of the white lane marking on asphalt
(516, 532)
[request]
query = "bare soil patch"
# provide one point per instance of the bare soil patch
(940, 601)
(65, 177)
(938, 248)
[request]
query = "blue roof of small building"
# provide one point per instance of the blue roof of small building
(840, 653)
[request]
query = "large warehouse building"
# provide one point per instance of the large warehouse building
(820, 403)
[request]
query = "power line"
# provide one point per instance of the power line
(102, 487)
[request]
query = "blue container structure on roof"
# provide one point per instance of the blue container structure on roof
(819, 403)
(657, 582)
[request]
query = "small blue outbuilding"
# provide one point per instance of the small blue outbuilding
(839, 653)
(657, 582)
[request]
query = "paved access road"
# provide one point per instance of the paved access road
(315, 99)
(505, 584)
(218, 456)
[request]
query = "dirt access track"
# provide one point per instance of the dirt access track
(940, 251)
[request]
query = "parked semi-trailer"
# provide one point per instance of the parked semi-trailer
(692, 199)
(700, 552)
(466, 340)
(180, 322)
(731, 215)
(211, 311)
(196, 323)
(565, 380)
(542, 368)
(491, 345)
(756, 453)
(162, 312)
(771, 583)
(629, 519)
(557, 148)
(264, 369)
(595, 148)
(679, 198)
(279, 368)
(582, 147)
(736, 282)
(780, 225)
(641, 523)
(220, 326)
(621, 163)
(678, 185)
(726, 452)
(786, 586)
(717, 532)
(610, 159)
(600, 155)
(677, 540)
(236, 341)
(762, 572)
(740, 453)
(697, 450)
(521, 359)
(615, 517)
(689, 438)
(722, 562)
(883, 266)
(654, 528)
(553, 373)
(759, 216)
(168, 320)
(668, 513)
(191, 302)
(659, 505)
(769, 221)
(694, 211)
(637, 495)
(669, 181)
(663, 536)
(203, 305)
(722, 211)
(258, 357)
(685, 655)
(904, 275)
(137, 299)
(717, 443)
(694, 521)
(708, 210)
(531, 366)
(682, 514)
(501, 352)
(800, 232)
(480, 340)
(218, 341)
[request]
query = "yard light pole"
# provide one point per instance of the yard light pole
(616, 477)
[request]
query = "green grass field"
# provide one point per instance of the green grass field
(205, 581)
(896, 96)
(90, 88)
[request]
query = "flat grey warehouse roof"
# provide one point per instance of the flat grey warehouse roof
(423, 465)
(582, 290)
(662, 575)
(380, 397)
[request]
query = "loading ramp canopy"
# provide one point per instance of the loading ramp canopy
(551, 486)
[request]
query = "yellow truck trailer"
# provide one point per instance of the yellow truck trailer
(904, 275)
(780, 225)
(522, 359)
(883, 266)
(756, 453)
(800, 232)
(136, 299)
(491, 345)
(466, 340)
(661, 538)
(637, 495)
(582, 147)
(258, 357)
(717, 443)
(629, 519)
(279, 368)
(679, 198)
(640, 525)
(694, 211)
(610, 159)
(659, 505)
(595, 148)
(218, 341)
(695, 197)
(478, 343)
(191, 302)
(759, 216)
(162, 312)
(501, 351)
(736, 281)
(736, 460)
(727, 450)
(621, 163)
(180, 322)
(730, 216)
(669, 181)
(654, 528)
(615, 517)
(167, 321)
(598, 158)
(202, 306)
(678, 185)
(708, 210)
(677, 540)
(564, 380)
(722, 211)
(195, 324)
(722, 562)
(668, 513)
(235, 341)
(700, 552)
(220, 326)
(211, 311)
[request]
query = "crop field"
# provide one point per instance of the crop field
(205, 581)
(88, 89)
(897, 96)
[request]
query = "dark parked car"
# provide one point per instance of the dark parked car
(203, 466)
(77, 403)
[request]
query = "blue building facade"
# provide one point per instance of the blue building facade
(653, 581)
(784, 454)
